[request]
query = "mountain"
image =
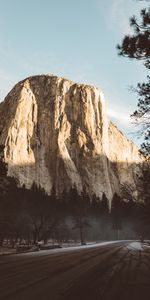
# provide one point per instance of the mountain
(56, 132)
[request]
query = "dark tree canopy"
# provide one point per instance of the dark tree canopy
(137, 46)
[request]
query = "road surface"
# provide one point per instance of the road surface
(113, 271)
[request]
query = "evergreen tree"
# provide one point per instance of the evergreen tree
(81, 222)
(104, 208)
(137, 47)
(116, 213)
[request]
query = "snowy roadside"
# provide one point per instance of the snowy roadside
(133, 245)
(65, 248)
(7, 251)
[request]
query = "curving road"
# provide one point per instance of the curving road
(113, 271)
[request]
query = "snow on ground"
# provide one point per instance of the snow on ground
(135, 246)
(5, 251)
(68, 249)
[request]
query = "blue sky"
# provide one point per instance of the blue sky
(73, 39)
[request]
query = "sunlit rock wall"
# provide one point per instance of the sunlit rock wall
(56, 132)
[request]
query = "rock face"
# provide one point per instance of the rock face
(56, 132)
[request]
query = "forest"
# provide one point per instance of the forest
(30, 217)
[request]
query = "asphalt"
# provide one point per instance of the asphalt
(115, 271)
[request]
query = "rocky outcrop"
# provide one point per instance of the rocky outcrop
(56, 132)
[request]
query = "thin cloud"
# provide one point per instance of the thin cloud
(122, 118)
(117, 14)
(119, 17)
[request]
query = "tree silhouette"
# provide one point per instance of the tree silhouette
(116, 212)
(104, 207)
(137, 47)
(81, 222)
(41, 213)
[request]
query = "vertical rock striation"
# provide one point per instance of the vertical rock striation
(56, 132)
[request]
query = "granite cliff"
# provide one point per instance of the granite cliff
(56, 132)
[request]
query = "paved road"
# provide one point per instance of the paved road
(116, 271)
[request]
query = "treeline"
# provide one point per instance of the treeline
(30, 216)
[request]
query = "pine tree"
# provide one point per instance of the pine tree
(137, 47)
(116, 212)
